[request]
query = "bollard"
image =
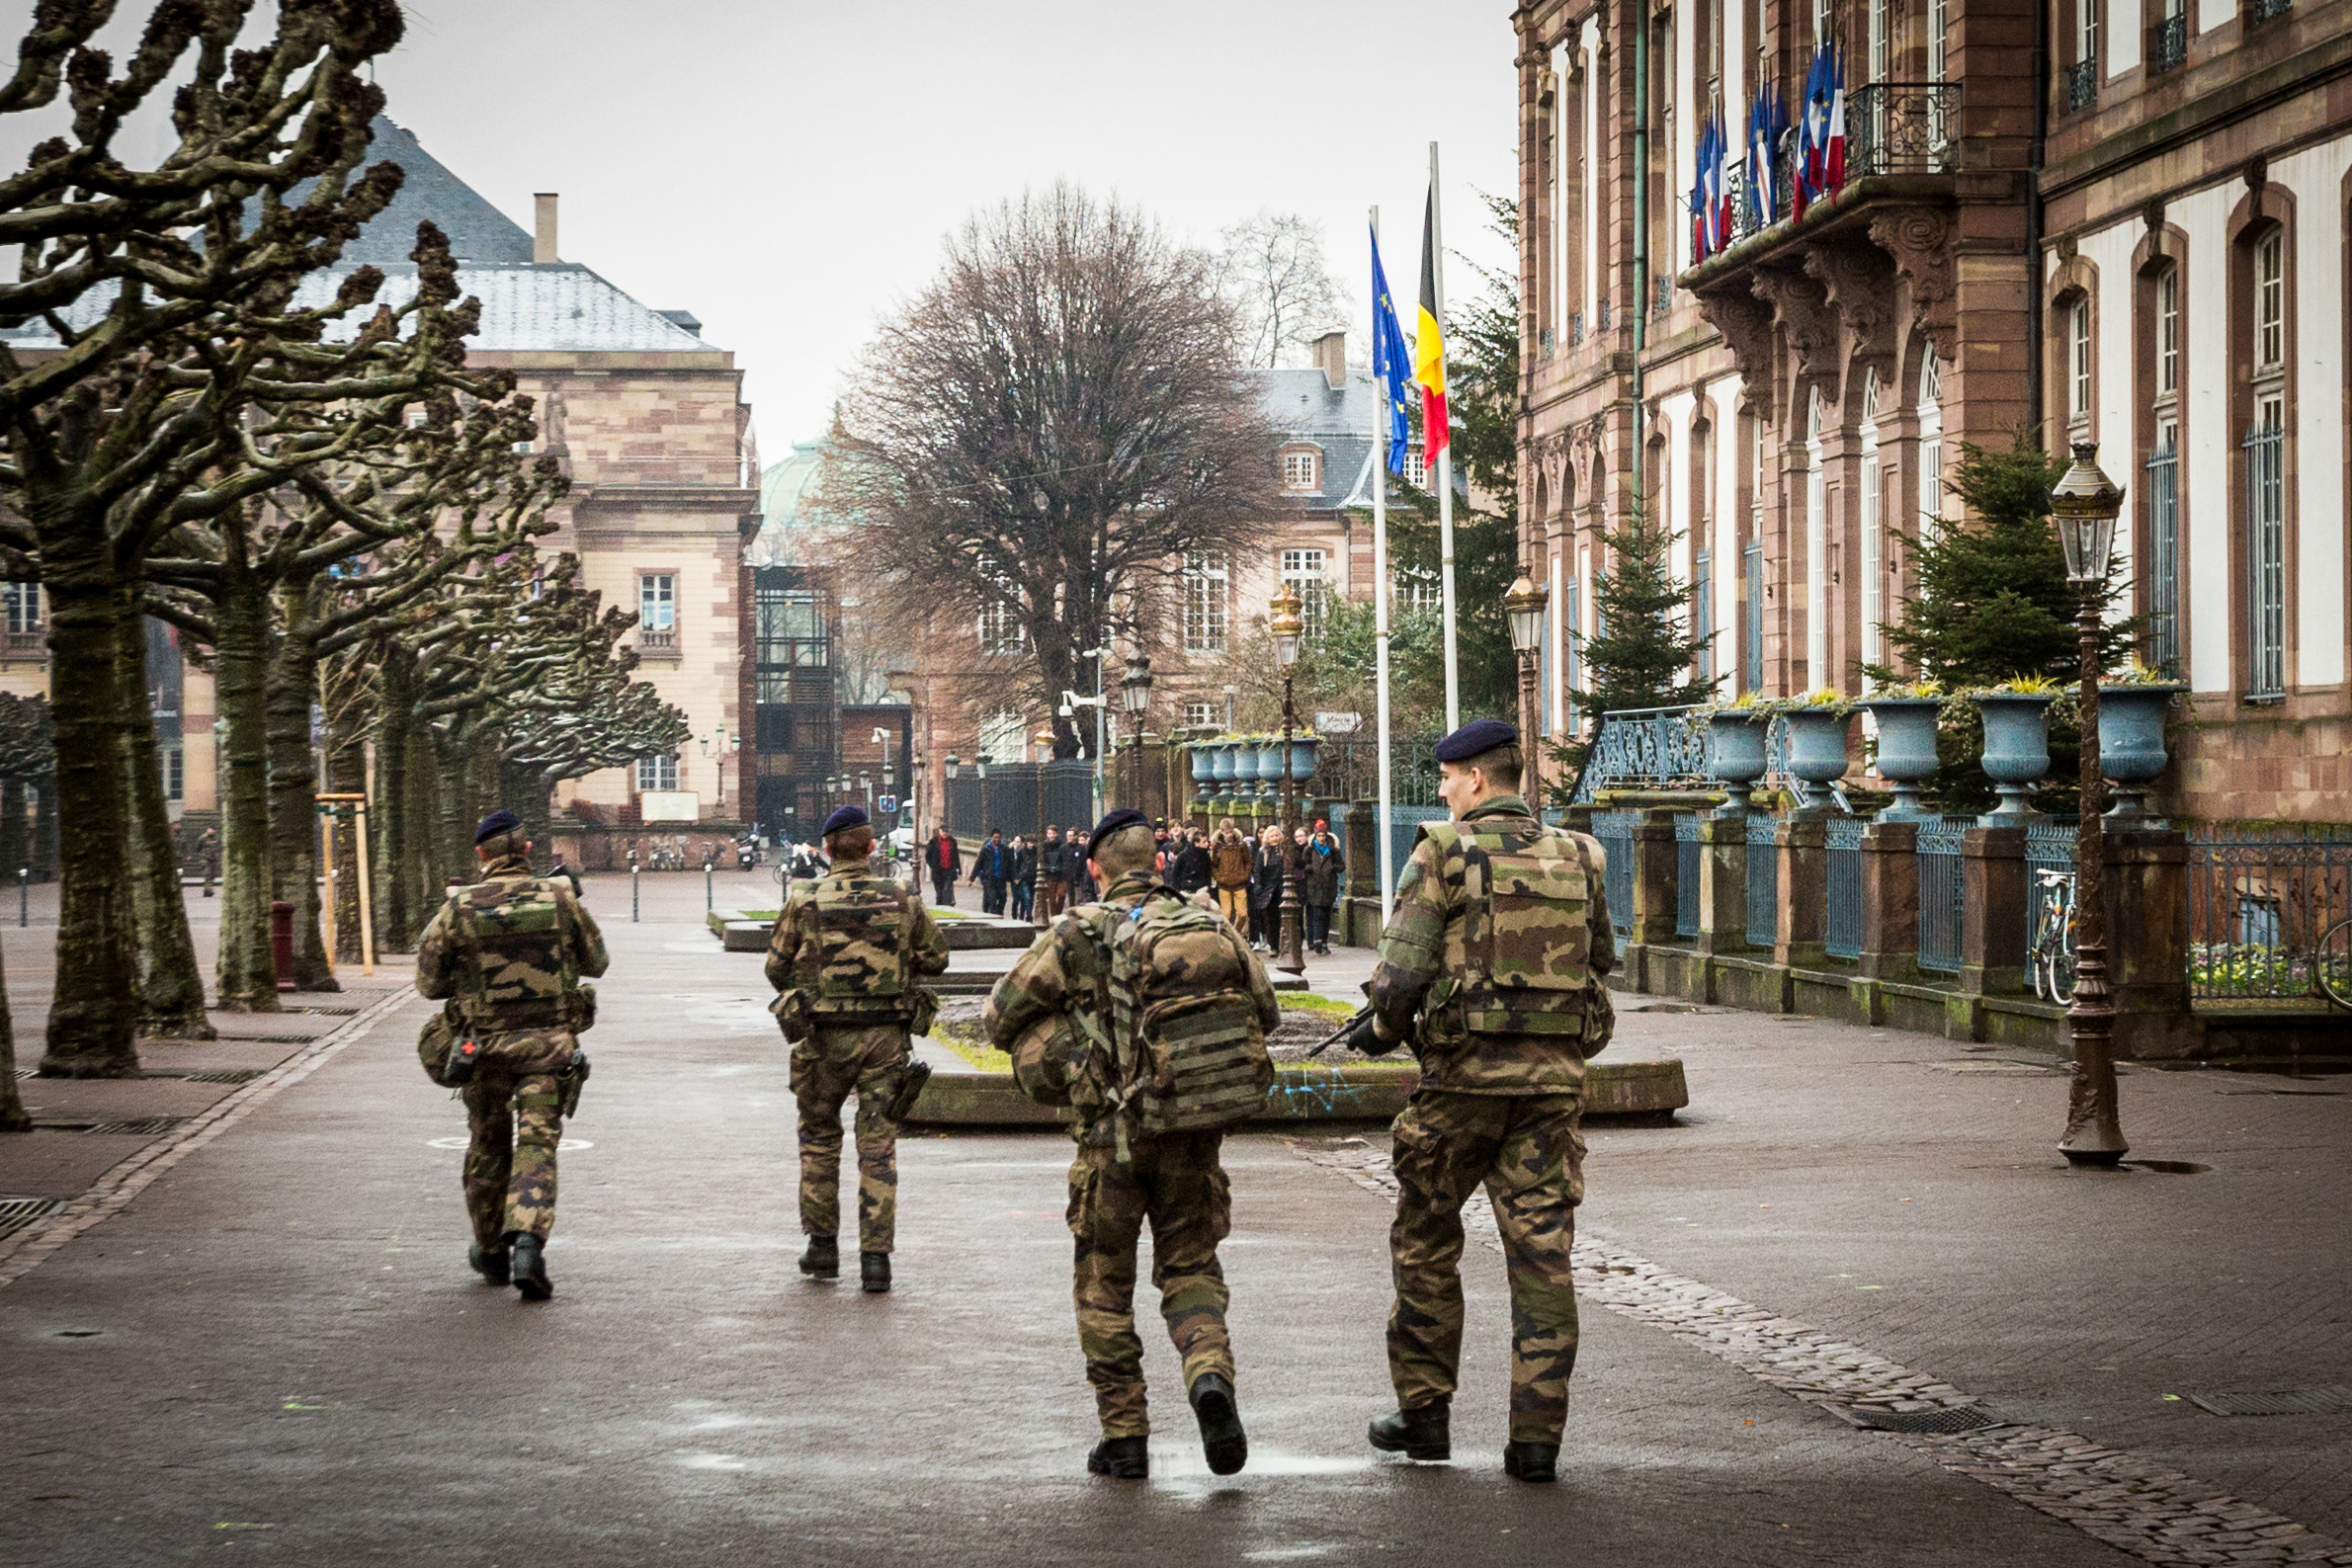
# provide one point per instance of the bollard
(633, 894)
(23, 896)
(282, 942)
(707, 906)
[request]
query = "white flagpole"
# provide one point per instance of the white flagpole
(1379, 610)
(1445, 460)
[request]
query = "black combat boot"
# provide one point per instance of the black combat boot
(1423, 1432)
(1531, 1462)
(911, 1079)
(822, 1259)
(489, 1263)
(874, 1271)
(1223, 1440)
(1121, 1458)
(527, 1268)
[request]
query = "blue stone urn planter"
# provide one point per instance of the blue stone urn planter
(1817, 752)
(1736, 754)
(1302, 756)
(2132, 744)
(1204, 761)
(1906, 750)
(2016, 753)
(1225, 756)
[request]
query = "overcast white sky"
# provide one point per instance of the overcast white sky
(786, 169)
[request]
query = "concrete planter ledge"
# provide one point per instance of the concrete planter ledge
(739, 935)
(1355, 1092)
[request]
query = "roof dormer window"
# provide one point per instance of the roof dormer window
(1301, 471)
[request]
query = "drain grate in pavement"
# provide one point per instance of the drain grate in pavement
(17, 1213)
(2293, 1402)
(332, 1012)
(271, 1039)
(1949, 1418)
(143, 1126)
(227, 1075)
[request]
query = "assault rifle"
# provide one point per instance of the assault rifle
(1355, 1034)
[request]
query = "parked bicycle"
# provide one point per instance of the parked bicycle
(2050, 963)
(2331, 966)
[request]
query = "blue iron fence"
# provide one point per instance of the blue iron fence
(1941, 892)
(2048, 848)
(1688, 859)
(1660, 748)
(1845, 858)
(1763, 881)
(1615, 830)
(2261, 901)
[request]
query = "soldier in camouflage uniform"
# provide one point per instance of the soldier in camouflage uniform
(508, 953)
(1173, 1181)
(843, 959)
(1491, 967)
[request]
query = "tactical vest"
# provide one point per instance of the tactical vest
(862, 925)
(1526, 946)
(1174, 997)
(517, 969)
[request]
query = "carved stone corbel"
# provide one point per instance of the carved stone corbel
(1745, 323)
(1919, 238)
(1800, 313)
(1860, 283)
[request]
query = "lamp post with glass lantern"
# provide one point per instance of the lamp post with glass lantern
(1134, 694)
(1287, 626)
(1037, 849)
(1524, 606)
(2085, 505)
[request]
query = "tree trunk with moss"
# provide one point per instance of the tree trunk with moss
(12, 1103)
(48, 853)
(293, 684)
(16, 845)
(171, 984)
(347, 775)
(248, 979)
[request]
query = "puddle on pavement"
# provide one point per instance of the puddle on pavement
(2170, 1166)
(568, 1146)
(1180, 1466)
(711, 1461)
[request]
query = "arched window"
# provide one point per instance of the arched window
(1816, 550)
(2266, 472)
(2164, 475)
(1931, 448)
(2078, 364)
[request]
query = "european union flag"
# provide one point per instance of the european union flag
(1392, 361)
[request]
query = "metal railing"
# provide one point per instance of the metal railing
(1662, 748)
(1941, 892)
(1004, 795)
(1763, 882)
(2082, 84)
(1689, 857)
(1615, 830)
(2260, 899)
(1349, 768)
(28, 644)
(2168, 43)
(1843, 857)
(1576, 330)
(2049, 847)
(2259, 11)
(1902, 128)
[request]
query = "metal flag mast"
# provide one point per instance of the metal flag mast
(1445, 462)
(1379, 585)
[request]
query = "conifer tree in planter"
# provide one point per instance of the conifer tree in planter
(1643, 654)
(1993, 604)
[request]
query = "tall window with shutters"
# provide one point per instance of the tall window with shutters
(2266, 475)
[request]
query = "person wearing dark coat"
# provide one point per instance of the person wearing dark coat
(1188, 865)
(1024, 883)
(943, 856)
(991, 868)
(1265, 888)
(1081, 880)
(1320, 869)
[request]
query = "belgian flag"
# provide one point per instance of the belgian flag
(1429, 344)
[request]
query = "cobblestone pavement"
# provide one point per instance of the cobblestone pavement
(273, 1346)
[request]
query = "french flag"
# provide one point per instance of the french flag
(1833, 156)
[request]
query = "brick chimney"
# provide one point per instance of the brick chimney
(542, 242)
(1330, 357)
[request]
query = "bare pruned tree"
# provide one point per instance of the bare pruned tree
(1050, 427)
(1281, 291)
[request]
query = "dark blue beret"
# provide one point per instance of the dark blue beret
(1476, 738)
(844, 818)
(499, 821)
(1123, 817)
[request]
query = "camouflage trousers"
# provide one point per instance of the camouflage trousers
(1528, 1153)
(1176, 1184)
(510, 1162)
(826, 1070)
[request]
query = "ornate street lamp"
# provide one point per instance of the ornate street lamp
(1524, 606)
(1286, 628)
(1037, 845)
(2085, 505)
(1134, 694)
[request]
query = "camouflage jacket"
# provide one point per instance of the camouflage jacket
(796, 949)
(1522, 884)
(1065, 972)
(443, 959)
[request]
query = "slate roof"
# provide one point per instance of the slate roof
(478, 232)
(1304, 406)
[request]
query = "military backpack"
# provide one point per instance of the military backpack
(863, 928)
(1187, 1049)
(518, 971)
(1527, 895)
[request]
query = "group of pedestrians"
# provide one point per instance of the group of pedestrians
(1247, 872)
(1012, 875)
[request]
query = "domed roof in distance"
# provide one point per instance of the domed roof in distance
(791, 504)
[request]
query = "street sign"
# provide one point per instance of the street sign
(888, 804)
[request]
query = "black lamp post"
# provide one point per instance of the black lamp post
(1286, 628)
(2085, 505)
(1524, 607)
(1037, 845)
(1134, 694)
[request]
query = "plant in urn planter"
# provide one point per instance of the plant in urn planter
(2016, 715)
(1225, 756)
(2132, 709)
(1906, 721)
(1817, 726)
(1736, 735)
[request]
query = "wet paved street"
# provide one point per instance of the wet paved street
(274, 1348)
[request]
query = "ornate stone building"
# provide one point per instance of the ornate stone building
(2014, 247)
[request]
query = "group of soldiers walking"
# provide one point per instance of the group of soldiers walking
(1147, 1012)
